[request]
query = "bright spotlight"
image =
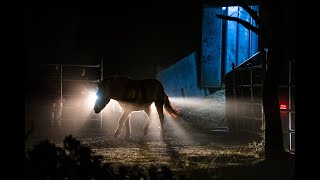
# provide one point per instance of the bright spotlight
(92, 98)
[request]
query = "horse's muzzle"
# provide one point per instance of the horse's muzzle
(96, 111)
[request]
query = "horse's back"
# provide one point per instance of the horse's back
(133, 90)
(149, 83)
(126, 82)
(126, 79)
(152, 89)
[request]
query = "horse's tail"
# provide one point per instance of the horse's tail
(173, 111)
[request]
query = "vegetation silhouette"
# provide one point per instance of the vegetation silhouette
(72, 161)
(77, 162)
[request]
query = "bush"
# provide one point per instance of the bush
(74, 161)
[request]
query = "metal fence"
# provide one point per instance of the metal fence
(70, 84)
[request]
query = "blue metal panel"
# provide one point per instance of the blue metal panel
(241, 43)
(181, 78)
(243, 46)
(253, 36)
(211, 47)
(231, 39)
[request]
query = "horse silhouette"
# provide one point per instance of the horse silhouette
(134, 95)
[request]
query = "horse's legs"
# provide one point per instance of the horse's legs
(148, 122)
(128, 128)
(159, 106)
(120, 123)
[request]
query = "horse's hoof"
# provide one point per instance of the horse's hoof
(127, 137)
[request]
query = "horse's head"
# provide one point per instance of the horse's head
(103, 98)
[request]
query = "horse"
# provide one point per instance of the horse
(134, 95)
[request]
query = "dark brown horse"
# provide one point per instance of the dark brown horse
(134, 95)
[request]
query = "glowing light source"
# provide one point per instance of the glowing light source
(283, 106)
(91, 98)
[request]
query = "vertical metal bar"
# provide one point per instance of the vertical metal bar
(61, 98)
(264, 69)
(290, 121)
(290, 131)
(237, 39)
(290, 140)
(250, 36)
(101, 77)
(61, 80)
(235, 108)
(289, 86)
(289, 94)
(101, 68)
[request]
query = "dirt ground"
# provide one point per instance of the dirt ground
(193, 145)
(182, 153)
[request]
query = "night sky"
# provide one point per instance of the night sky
(131, 37)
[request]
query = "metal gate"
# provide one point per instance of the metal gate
(243, 86)
(71, 87)
(244, 108)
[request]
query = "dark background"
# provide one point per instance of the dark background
(133, 37)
